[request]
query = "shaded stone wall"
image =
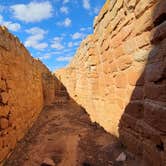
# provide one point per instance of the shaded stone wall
(118, 75)
(26, 85)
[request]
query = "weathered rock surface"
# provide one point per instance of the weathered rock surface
(63, 135)
(118, 75)
(26, 85)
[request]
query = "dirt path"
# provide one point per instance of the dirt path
(64, 135)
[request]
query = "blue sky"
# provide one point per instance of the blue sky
(50, 29)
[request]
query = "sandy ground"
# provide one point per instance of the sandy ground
(64, 135)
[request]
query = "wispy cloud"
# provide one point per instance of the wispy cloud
(57, 43)
(10, 25)
(45, 57)
(65, 1)
(85, 29)
(78, 35)
(64, 10)
(64, 58)
(32, 12)
(2, 8)
(96, 10)
(66, 23)
(35, 38)
(73, 44)
(86, 4)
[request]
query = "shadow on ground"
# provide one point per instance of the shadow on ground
(63, 134)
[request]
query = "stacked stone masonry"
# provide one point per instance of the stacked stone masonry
(118, 75)
(26, 85)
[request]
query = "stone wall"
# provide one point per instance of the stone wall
(26, 85)
(118, 75)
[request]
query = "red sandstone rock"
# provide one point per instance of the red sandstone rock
(48, 162)
(129, 72)
(26, 85)
(117, 75)
(4, 123)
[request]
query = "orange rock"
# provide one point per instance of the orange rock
(26, 85)
(4, 123)
(130, 70)
(5, 97)
(121, 80)
(124, 62)
(135, 77)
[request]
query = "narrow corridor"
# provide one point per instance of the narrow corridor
(63, 135)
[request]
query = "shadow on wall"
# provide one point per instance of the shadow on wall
(142, 127)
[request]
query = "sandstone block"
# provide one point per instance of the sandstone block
(121, 80)
(155, 91)
(4, 43)
(154, 115)
(158, 69)
(135, 109)
(151, 155)
(106, 56)
(130, 4)
(143, 39)
(92, 60)
(3, 153)
(106, 66)
(118, 4)
(138, 93)
(120, 102)
(141, 55)
(2, 85)
(126, 122)
(159, 13)
(111, 4)
(4, 110)
(105, 45)
(91, 52)
(157, 53)
(115, 23)
(48, 162)
(117, 52)
(4, 123)
(112, 68)
(145, 22)
(5, 97)
(115, 41)
(142, 6)
(130, 46)
(121, 93)
(132, 141)
(135, 77)
(126, 30)
(159, 33)
(106, 20)
(124, 62)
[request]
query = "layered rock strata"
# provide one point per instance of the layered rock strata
(26, 85)
(118, 75)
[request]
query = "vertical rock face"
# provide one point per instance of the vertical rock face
(118, 75)
(26, 85)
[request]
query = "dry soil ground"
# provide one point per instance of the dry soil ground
(64, 136)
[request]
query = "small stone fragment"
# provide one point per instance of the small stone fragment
(121, 157)
(48, 162)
